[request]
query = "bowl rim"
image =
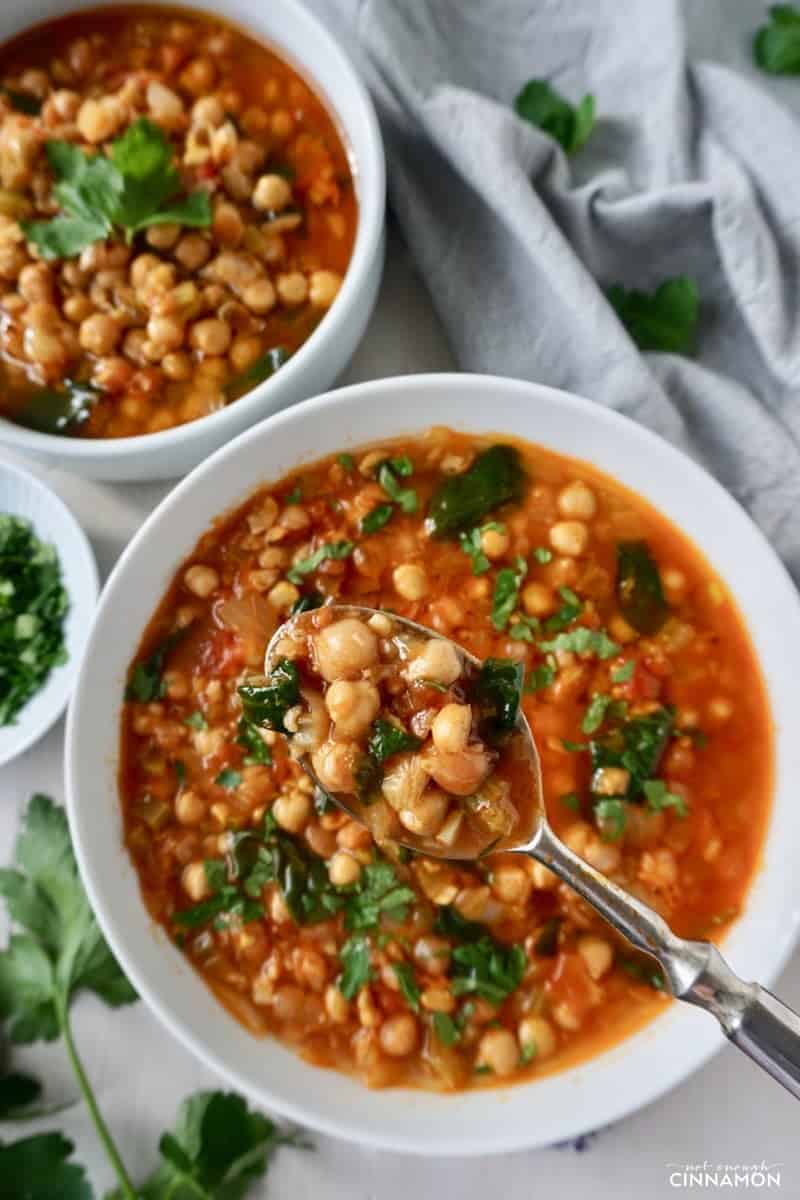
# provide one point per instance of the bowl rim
(502, 1137)
(368, 169)
(69, 671)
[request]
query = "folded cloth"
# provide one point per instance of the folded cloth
(690, 170)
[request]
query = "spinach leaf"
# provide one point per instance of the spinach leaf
(268, 703)
(541, 105)
(387, 739)
(330, 550)
(540, 677)
(496, 477)
(637, 745)
(497, 692)
(776, 46)
(58, 410)
(639, 591)
(665, 319)
(146, 682)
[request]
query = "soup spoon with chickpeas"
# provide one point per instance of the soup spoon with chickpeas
(427, 747)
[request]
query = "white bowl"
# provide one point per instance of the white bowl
(296, 36)
(22, 495)
(556, 1107)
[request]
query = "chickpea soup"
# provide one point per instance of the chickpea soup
(177, 213)
(608, 627)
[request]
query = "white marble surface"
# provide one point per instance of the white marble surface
(727, 1113)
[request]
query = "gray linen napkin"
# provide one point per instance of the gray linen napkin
(691, 169)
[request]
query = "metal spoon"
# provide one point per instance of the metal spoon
(750, 1016)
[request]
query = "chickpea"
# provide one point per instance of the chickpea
(35, 283)
(112, 374)
(569, 537)
(98, 120)
(99, 334)
(292, 288)
(201, 580)
(399, 1036)
(141, 267)
(352, 706)
(602, 855)
(343, 869)
(432, 954)
(192, 251)
(336, 1006)
(720, 710)
(64, 105)
(199, 76)
(451, 728)
(292, 810)
(438, 999)
(438, 660)
(597, 955)
(324, 287)
(538, 599)
(410, 581)
(208, 110)
(166, 106)
(511, 884)
(345, 648)
(499, 1051)
(244, 351)
(674, 581)
(194, 881)
(425, 817)
(166, 333)
(228, 226)
(259, 296)
(310, 968)
(334, 764)
(460, 774)
(288, 1003)
(272, 193)
(12, 259)
(177, 367)
(283, 595)
(163, 237)
(78, 308)
(210, 336)
(189, 807)
(44, 348)
(538, 1034)
(577, 500)
(610, 781)
(494, 543)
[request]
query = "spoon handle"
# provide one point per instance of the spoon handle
(750, 1016)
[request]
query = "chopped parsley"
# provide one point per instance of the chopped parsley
(540, 677)
(445, 1029)
(637, 745)
(543, 555)
(387, 739)
(248, 736)
(389, 474)
(470, 542)
(582, 641)
(624, 673)
(196, 720)
(506, 592)
(377, 518)
(595, 713)
(228, 779)
(571, 608)
(330, 550)
(356, 969)
(146, 682)
(346, 462)
(610, 815)
(541, 105)
(408, 983)
(658, 797)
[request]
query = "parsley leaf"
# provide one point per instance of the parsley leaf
(229, 779)
(196, 720)
(268, 703)
(446, 1029)
(377, 518)
(263, 368)
(346, 462)
(133, 188)
(582, 641)
(776, 46)
(540, 677)
(470, 542)
(379, 891)
(408, 983)
(506, 592)
(62, 951)
(496, 477)
(610, 815)
(637, 745)
(330, 550)
(36, 1168)
(571, 606)
(541, 105)
(356, 970)
(623, 673)
(389, 474)
(665, 319)
(658, 797)
(543, 555)
(146, 682)
(596, 711)
(488, 968)
(258, 752)
(387, 739)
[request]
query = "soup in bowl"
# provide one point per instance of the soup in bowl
(540, 542)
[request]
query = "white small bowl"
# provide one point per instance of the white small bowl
(544, 1111)
(298, 38)
(22, 495)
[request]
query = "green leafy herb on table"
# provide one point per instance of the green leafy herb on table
(541, 105)
(36, 1168)
(33, 604)
(665, 319)
(639, 590)
(776, 46)
(330, 550)
(61, 409)
(495, 478)
(135, 187)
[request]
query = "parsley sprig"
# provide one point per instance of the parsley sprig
(541, 105)
(776, 46)
(665, 319)
(135, 187)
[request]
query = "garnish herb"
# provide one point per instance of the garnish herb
(658, 797)
(228, 779)
(330, 550)
(570, 800)
(665, 319)
(623, 673)
(595, 713)
(471, 545)
(639, 591)
(543, 555)
(527, 1053)
(644, 972)
(387, 739)
(522, 628)
(610, 815)
(146, 682)
(258, 752)
(496, 477)
(408, 983)
(506, 592)
(346, 462)
(58, 410)
(497, 692)
(540, 677)
(33, 603)
(637, 745)
(268, 703)
(389, 475)
(377, 518)
(446, 1029)
(196, 720)
(571, 606)
(776, 46)
(481, 965)
(135, 187)
(582, 641)
(378, 891)
(541, 105)
(356, 970)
